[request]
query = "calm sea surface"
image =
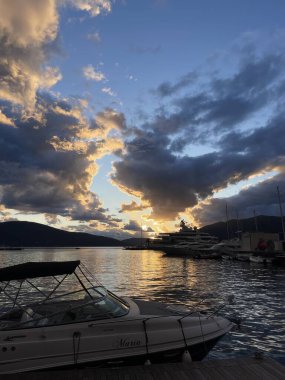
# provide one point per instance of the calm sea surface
(259, 290)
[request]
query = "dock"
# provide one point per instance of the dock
(225, 369)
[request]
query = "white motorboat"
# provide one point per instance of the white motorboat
(232, 249)
(228, 247)
(42, 326)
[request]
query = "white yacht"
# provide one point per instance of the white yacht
(187, 241)
(42, 326)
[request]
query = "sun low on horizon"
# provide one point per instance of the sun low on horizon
(122, 117)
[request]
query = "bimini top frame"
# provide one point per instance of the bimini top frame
(37, 269)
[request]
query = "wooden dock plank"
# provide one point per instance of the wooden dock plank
(229, 369)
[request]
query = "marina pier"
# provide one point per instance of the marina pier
(250, 368)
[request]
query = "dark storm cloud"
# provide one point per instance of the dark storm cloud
(170, 183)
(46, 163)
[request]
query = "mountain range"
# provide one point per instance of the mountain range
(30, 234)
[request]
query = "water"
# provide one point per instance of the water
(259, 290)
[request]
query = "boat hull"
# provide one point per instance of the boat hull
(116, 342)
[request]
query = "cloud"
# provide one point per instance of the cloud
(133, 206)
(133, 225)
(108, 90)
(168, 89)
(108, 120)
(5, 120)
(52, 219)
(93, 7)
(47, 162)
(154, 167)
(91, 74)
(28, 36)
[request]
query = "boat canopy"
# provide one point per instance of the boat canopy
(38, 269)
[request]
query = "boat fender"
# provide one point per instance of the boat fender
(76, 346)
(186, 357)
(147, 362)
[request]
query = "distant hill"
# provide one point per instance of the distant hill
(264, 224)
(28, 234)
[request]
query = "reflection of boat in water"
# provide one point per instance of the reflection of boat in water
(42, 326)
(187, 241)
(261, 258)
(275, 258)
(208, 254)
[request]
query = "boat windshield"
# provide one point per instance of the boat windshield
(95, 304)
(47, 301)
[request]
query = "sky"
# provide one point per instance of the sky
(117, 116)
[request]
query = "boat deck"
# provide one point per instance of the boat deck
(227, 369)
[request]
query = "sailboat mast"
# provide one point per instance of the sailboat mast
(281, 212)
(228, 232)
(255, 220)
